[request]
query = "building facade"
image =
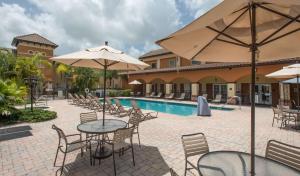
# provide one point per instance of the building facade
(169, 73)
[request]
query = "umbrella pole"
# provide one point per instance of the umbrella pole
(298, 98)
(104, 90)
(253, 59)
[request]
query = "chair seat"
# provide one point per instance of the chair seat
(75, 145)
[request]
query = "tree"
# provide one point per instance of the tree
(85, 78)
(110, 75)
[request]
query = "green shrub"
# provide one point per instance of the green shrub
(37, 115)
(13, 115)
(126, 93)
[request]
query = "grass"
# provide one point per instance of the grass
(25, 115)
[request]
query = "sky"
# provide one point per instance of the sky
(132, 26)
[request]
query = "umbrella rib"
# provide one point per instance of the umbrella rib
(276, 12)
(216, 37)
(283, 35)
(75, 62)
(228, 36)
(234, 43)
(113, 63)
(278, 30)
(98, 62)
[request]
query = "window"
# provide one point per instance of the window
(196, 62)
(43, 53)
(172, 63)
(30, 51)
(153, 65)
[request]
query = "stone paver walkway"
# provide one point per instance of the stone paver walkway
(160, 138)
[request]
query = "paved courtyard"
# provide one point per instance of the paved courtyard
(161, 148)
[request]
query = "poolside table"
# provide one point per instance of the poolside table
(97, 127)
(233, 163)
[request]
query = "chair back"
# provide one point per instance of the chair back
(173, 173)
(88, 117)
(276, 110)
(76, 96)
(171, 95)
(159, 94)
(218, 97)
(70, 96)
(108, 101)
(122, 134)
(61, 135)
(118, 103)
(152, 94)
(182, 95)
(81, 96)
(283, 153)
(204, 95)
(194, 144)
(134, 105)
(135, 119)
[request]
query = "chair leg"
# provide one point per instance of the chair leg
(113, 153)
(185, 168)
(63, 164)
(138, 133)
(273, 122)
(56, 156)
(132, 155)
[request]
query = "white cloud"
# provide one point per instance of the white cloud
(129, 25)
(199, 7)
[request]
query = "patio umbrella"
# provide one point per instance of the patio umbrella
(291, 71)
(135, 82)
(103, 57)
(243, 31)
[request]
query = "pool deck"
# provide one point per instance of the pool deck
(33, 154)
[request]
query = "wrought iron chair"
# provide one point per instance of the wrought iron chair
(284, 153)
(65, 146)
(173, 173)
(193, 145)
(284, 117)
(119, 143)
(134, 121)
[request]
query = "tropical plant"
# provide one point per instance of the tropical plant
(85, 78)
(10, 94)
(110, 75)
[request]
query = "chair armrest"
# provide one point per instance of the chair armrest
(73, 135)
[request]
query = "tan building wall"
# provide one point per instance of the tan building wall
(228, 75)
(185, 62)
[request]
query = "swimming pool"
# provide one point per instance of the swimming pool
(169, 107)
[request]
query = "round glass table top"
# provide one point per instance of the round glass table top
(97, 127)
(232, 163)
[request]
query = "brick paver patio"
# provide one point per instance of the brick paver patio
(160, 138)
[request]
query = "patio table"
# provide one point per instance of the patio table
(97, 127)
(233, 163)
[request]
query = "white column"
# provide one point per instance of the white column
(158, 63)
(168, 88)
(148, 89)
(195, 91)
(231, 89)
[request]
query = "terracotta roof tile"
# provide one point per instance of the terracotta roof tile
(156, 52)
(35, 38)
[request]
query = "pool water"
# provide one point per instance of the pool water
(169, 107)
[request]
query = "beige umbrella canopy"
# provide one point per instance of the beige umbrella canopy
(291, 71)
(135, 82)
(103, 57)
(241, 31)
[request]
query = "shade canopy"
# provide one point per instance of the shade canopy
(227, 29)
(96, 58)
(290, 81)
(135, 82)
(291, 71)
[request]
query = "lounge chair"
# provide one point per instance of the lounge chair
(159, 95)
(204, 95)
(145, 116)
(171, 96)
(193, 145)
(218, 99)
(151, 95)
(182, 96)
(110, 106)
(96, 106)
(138, 94)
(121, 111)
(283, 153)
